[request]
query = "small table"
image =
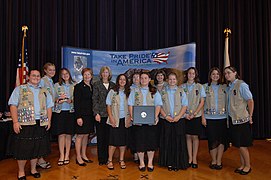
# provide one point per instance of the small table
(6, 128)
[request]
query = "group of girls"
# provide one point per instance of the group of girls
(180, 112)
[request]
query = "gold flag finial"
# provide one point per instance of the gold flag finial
(227, 31)
(24, 29)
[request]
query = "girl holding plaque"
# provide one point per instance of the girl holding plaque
(214, 117)
(118, 119)
(195, 94)
(145, 135)
(64, 115)
(173, 149)
(240, 109)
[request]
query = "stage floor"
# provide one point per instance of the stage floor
(260, 159)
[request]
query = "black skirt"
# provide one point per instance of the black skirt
(118, 136)
(32, 142)
(131, 139)
(173, 148)
(145, 138)
(87, 127)
(217, 133)
(193, 126)
(64, 123)
(240, 135)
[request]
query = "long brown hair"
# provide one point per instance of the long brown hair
(61, 80)
(126, 87)
(233, 69)
(196, 79)
(159, 72)
(219, 73)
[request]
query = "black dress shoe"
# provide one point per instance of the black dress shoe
(35, 175)
(150, 169)
(142, 169)
(22, 178)
(87, 160)
(176, 169)
(194, 165)
(237, 170)
(212, 166)
(219, 167)
(242, 172)
(169, 168)
(80, 164)
(190, 164)
(102, 163)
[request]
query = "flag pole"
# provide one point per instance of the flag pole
(227, 32)
(24, 29)
(20, 69)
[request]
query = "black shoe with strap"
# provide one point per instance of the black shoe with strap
(35, 175)
(87, 160)
(122, 164)
(110, 165)
(80, 164)
(242, 172)
(22, 178)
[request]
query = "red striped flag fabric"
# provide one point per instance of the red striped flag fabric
(22, 67)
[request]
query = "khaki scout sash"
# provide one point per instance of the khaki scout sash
(60, 90)
(48, 86)
(115, 107)
(238, 105)
(210, 106)
(139, 98)
(193, 98)
(26, 114)
(178, 95)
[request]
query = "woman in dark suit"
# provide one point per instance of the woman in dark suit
(84, 116)
(100, 91)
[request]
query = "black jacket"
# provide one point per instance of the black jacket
(83, 99)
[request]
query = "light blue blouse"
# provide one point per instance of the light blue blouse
(15, 96)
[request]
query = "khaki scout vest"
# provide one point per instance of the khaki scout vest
(193, 98)
(178, 95)
(115, 107)
(210, 106)
(139, 98)
(60, 90)
(26, 114)
(238, 105)
(48, 86)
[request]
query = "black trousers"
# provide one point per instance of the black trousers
(102, 140)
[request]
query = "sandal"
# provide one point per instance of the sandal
(60, 163)
(44, 165)
(66, 161)
(122, 164)
(110, 165)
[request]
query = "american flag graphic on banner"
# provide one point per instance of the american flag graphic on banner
(160, 57)
(22, 68)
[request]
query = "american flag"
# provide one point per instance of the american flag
(160, 57)
(22, 68)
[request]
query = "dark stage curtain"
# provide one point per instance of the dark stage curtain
(144, 24)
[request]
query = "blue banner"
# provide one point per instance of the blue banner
(178, 58)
